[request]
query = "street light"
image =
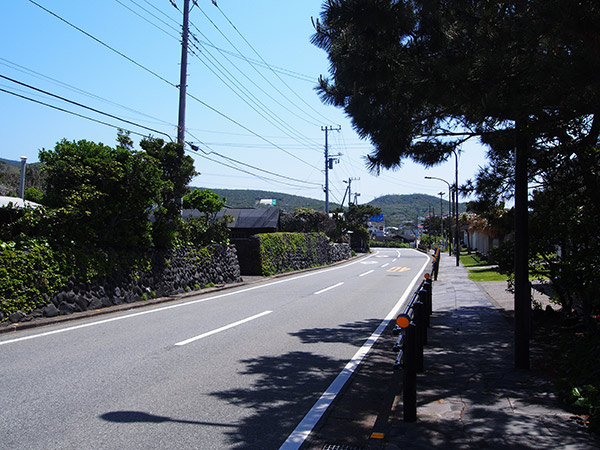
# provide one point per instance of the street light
(456, 243)
(450, 199)
(456, 209)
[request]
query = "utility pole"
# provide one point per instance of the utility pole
(356, 195)
(183, 72)
(349, 191)
(328, 163)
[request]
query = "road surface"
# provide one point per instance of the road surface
(247, 368)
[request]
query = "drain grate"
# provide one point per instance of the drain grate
(340, 447)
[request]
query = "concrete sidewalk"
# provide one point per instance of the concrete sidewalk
(470, 396)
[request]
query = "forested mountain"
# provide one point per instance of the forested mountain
(246, 198)
(396, 209)
(400, 208)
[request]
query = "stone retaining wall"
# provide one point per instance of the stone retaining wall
(173, 272)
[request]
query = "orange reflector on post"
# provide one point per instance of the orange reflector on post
(403, 320)
(427, 276)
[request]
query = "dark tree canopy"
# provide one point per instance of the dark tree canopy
(419, 77)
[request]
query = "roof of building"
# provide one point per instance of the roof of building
(17, 202)
(260, 218)
(252, 218)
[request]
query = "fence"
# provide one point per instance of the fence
(411, 325)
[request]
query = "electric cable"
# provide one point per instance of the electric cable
(262, 59)
(103, 44)
(39, 75)
(83, 106)
(266, 64)
(69, 112)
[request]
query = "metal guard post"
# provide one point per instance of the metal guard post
(410, 374)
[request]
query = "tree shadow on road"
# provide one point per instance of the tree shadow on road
(287, 386)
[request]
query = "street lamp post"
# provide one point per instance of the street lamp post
(456, 209)
(450, 199)
(455, 197)
(441, 194)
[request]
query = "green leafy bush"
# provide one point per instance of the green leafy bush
(29, 276)
(277, 250)
(579, 382)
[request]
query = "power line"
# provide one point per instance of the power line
(254, 102)
(82, 105)
(250, 131)
(248, 172)
(265, 63)
(67, 111)
(167, 81)
(262, 59)
(39, 75)
(103, 43)
(196, 148)
(147, 20)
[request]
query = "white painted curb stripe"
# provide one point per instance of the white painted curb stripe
(304, 428)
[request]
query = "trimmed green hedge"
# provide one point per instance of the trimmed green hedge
(284, 252)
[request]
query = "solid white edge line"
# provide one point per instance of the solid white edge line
(179, 305)
(304, 428)
(366, 273)
(226, 327)
(327, 289)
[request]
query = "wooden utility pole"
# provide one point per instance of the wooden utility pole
(183, 72)
(328, 163)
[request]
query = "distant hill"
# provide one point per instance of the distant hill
(397, 209)
(242, 198)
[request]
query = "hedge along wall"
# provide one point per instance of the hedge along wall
(166, 273)
(284, 252)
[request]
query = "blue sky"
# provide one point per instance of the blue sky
(242, 111)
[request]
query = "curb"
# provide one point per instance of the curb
(44, 321)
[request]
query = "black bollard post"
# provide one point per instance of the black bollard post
(424, 298)
(429, 287)
(420, 323)
(410, 375)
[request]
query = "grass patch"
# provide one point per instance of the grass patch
(473, 260)
(486, 274)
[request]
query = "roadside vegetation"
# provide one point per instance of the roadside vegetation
(519, 77)
(103, 210)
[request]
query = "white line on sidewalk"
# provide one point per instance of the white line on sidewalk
(366, 273)
(226, 327)
(330, 287)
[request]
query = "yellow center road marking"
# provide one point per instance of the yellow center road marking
(398, 269)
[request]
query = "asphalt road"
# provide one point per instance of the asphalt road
(247, 368)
